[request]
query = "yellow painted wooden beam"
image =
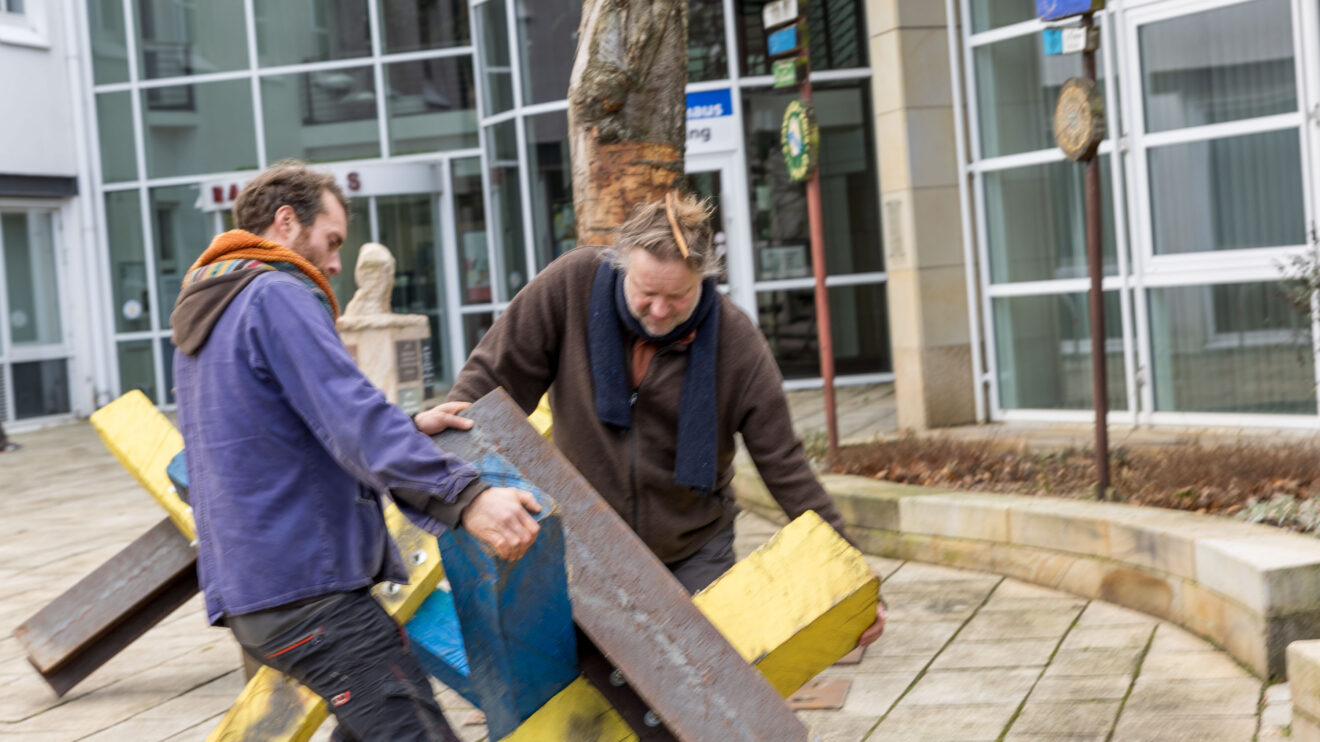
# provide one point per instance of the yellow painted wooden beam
(542, 419)
(275, 708)
(579, 713)
(797, 604)
(792, 608)
(145, 441)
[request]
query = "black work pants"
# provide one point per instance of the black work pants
(352, 654)
(709, 562)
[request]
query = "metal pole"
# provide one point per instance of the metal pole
(1095, 265)
(823, 332)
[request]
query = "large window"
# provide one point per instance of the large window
(991, 14)
(505, 204)
(1043, 345)
(781, 239)
(177, 38)
(492, 28)
(295, 31)
(1199, 210)
(849, 192)
(552, 186)
(1239, 184)
(1036, 222)
(194, 128)
(547, 41)
(34, 358)
(1017, 87)
(1230, 348)
(418, 25)
(432, 105)
(708, 52)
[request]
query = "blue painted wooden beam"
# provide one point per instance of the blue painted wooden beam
(517, 647)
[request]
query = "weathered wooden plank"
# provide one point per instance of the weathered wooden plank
(106, 610)
(145, 441)
(628, 603)
(142, 584)
(517, 624)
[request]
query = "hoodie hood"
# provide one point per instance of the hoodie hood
(201, 304)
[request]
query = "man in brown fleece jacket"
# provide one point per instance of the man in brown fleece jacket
(650, 372)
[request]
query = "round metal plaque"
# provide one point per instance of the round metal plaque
(1079, 119)
(800, 140)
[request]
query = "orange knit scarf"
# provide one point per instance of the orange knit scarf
(239, 244)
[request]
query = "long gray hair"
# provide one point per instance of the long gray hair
(649, 228)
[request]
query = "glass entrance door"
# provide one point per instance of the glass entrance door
(34, 353)
(713, 176)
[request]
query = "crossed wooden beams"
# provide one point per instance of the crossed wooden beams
(791, 609)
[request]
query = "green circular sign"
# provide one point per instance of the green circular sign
(800, 140)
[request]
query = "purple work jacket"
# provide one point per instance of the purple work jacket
(289, 446)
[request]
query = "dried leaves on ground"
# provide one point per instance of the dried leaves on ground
(1271, 483)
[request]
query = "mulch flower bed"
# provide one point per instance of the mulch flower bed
(1266, 483)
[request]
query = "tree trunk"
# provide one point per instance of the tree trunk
(627, 112)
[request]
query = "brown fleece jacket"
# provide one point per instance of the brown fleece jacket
(540, 342)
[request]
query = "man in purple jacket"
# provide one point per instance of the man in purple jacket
(289, 447)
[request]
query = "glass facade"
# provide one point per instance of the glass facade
(321, 116)
(343, 81)
(432, 105)
(1201, 208)
(469, 96)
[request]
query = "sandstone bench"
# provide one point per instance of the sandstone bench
(1249, 589)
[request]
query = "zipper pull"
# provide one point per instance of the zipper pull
(632, 400)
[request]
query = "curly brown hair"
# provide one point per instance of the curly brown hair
(286, 182)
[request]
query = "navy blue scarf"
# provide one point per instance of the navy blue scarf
(694, 465)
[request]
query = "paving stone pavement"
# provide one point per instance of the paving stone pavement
(967, 655)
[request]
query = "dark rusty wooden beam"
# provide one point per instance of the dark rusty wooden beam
(628, 603)
(110, 608)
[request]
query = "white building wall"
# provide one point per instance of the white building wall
(34, 84)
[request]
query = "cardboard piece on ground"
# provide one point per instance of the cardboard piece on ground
(821, 693)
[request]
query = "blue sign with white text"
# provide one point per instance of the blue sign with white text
(709, 104)
(1053, 10)
(782, 41)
